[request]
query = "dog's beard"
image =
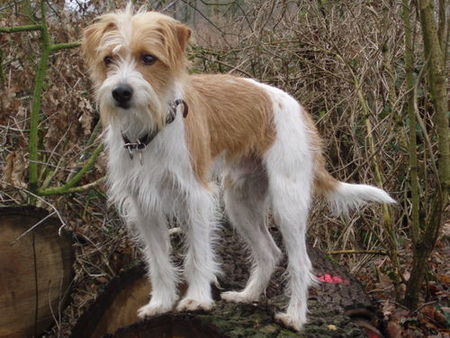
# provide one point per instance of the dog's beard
(146, 111)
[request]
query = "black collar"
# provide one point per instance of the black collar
(144, 140)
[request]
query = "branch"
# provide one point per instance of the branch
(47, 48)
(412, 146)
(81, 188)
(67, 45)
(438, 90)
(69, 186)
(25, 28)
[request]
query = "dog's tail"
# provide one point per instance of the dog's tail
(344, 197)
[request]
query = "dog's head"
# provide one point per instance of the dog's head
(135, 61)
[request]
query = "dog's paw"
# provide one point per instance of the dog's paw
(238, 297)
(290, 321)
(152, 309)
(189, 304)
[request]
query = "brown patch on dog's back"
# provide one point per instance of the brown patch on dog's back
(232, 114)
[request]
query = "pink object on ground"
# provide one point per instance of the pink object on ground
(326, 278)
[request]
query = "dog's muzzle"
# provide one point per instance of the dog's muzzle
(122, 94)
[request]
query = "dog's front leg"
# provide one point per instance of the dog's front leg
(200, 267)
(154, 233)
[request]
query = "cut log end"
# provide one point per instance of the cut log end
(37, 270)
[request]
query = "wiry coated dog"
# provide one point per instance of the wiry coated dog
(168, 132)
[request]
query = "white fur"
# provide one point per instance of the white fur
(287, 183)
(146, 106)
(246, 203)
(164, 185)
(352, 196)
(289, 164)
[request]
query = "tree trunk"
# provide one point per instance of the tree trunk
(438, 89)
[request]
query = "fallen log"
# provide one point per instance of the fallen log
(36, 270)
(332, 304)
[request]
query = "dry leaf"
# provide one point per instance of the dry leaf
(435, 315)
(86, 117)
(14, 170)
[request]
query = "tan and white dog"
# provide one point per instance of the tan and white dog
(168, 133)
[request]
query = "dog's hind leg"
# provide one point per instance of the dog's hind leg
(154, 234)
(290, 202)
(200, 267)
(290, 164)
(245, 203)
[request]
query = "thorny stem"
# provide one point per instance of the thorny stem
(79, 188)
(47, 48)
(67, 45)
(36, 103)
(25, 28)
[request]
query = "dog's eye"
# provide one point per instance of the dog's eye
(148, 59)
(107, 60)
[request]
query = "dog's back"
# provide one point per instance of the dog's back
(239, 113)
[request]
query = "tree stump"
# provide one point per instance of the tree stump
(36, 271)
(331, 303)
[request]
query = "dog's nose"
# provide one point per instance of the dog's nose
(122, 94)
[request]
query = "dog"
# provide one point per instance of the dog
(168, 134)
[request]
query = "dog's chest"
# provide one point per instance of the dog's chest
(157, 175)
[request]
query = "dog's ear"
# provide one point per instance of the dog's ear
(91, 39)
(183, 33)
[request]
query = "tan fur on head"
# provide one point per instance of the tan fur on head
(166, 37)
(126, 36)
